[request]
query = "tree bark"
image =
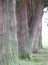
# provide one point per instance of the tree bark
(37, 21)
(22, 27)
(9, 43)
(2, 37)
(40, 38)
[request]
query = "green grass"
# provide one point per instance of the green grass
(41, 58)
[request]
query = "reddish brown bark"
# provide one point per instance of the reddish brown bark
(30, 14)
(8, 48)
(2, 35)
(22, 26)
(37, 22)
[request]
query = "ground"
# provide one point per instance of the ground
(41, 58)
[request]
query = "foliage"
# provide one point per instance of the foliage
(24, 56)
(17, 0)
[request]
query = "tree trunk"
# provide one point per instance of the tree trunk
(40, 38)
(2, 36)
(22, 27)
(9, 44)
(37, 21)
(30, 15)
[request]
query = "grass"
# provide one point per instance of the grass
(41, 58)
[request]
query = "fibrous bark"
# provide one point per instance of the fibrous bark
(37, 21)
(22, 27)
(9, 44)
